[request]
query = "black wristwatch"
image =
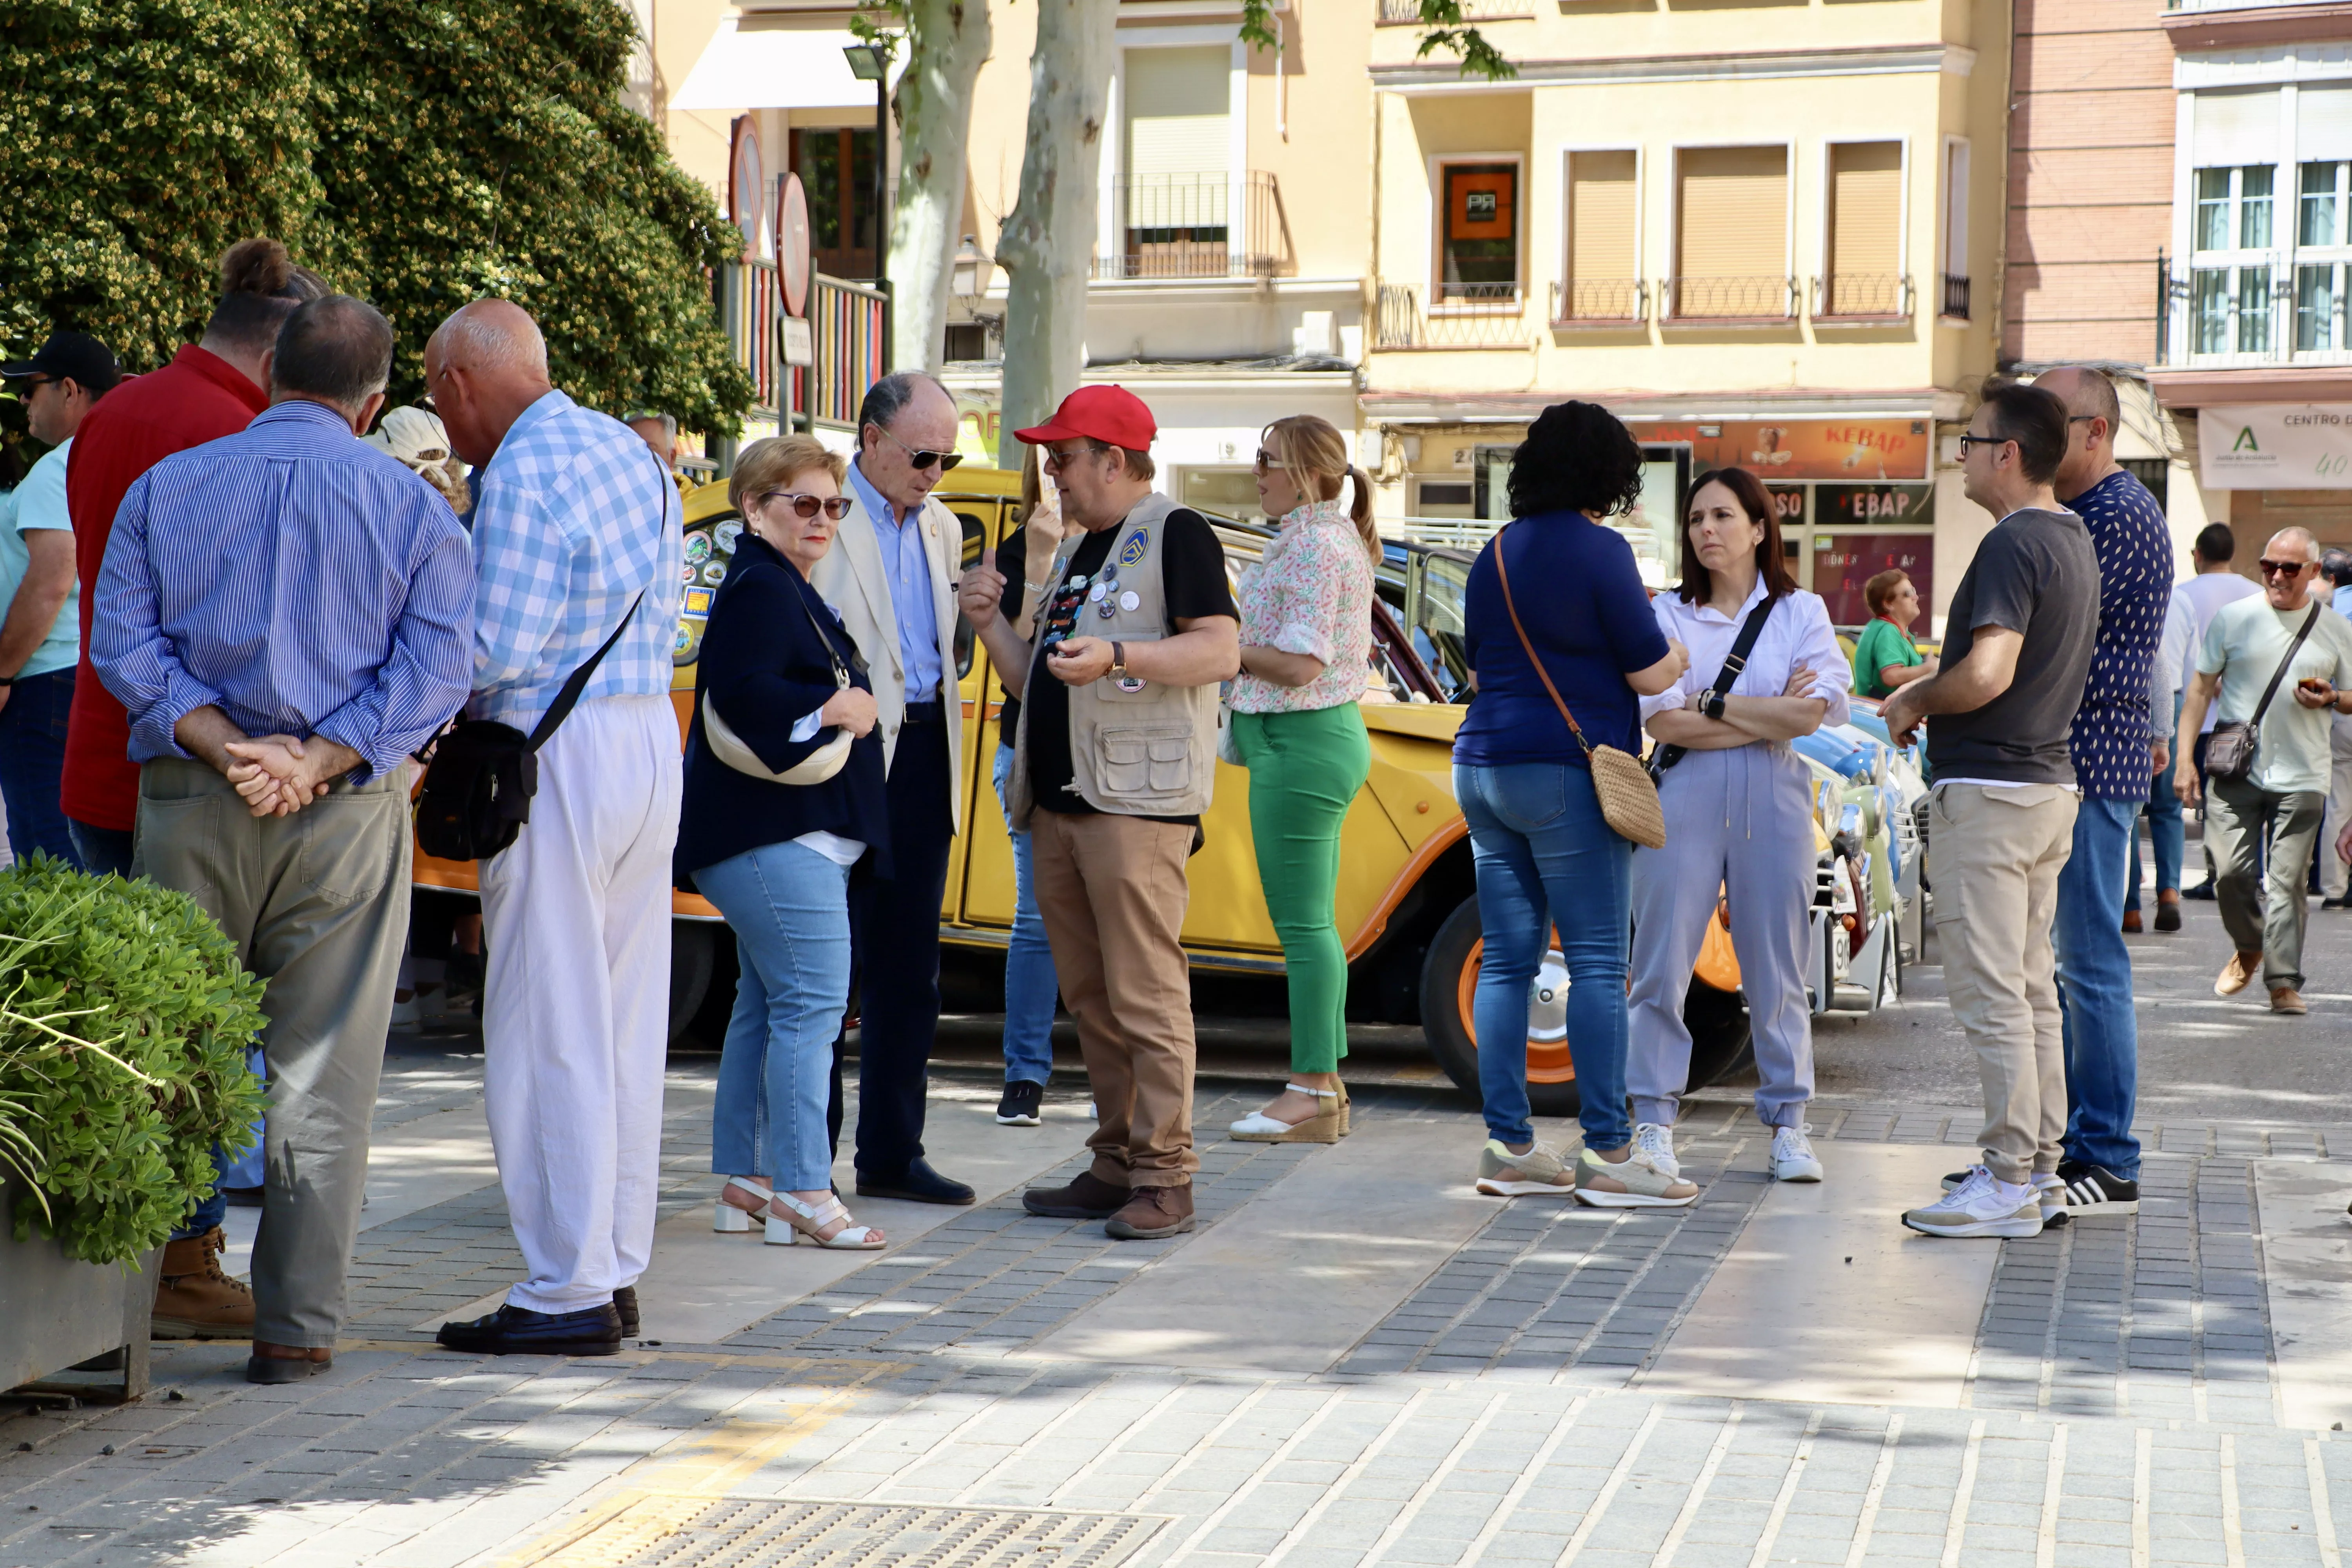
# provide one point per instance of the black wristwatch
(9, 680)
(1713, 706)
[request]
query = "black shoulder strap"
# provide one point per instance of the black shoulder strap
(2279, 674)
(560, 708)
(1749, 630)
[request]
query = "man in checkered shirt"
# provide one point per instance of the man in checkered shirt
(576, 523)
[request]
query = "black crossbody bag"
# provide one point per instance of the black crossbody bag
(1663, 757)
(482, 775)
(2229, 754)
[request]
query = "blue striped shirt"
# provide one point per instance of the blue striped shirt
(575, 518)
(301, 581)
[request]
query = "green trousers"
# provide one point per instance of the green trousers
(1305, 768)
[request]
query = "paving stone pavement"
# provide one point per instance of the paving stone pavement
(2120, 1405)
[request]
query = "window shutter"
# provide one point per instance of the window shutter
(1865, 228)
(1601, 243)
(2236, 128)
(2323, 123)
(1177, 121)
(1734, 218)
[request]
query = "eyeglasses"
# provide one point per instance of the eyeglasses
(1968, 441)
(2286, 568)
(1266, 459)
(921, 460)
(807, 506)
(1053, 458)
(2082, 418)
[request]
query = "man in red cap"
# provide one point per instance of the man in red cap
(1113, 765)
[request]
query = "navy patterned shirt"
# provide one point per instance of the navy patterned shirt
(2111, 735)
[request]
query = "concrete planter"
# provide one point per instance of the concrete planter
(58, 1314)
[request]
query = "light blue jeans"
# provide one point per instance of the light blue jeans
(1548, 862)
(1031, 987)
(789, 907)
(2094, 990)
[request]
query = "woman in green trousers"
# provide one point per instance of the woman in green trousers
(1306, 633)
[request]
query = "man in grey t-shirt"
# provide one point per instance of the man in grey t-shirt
(2017, 651)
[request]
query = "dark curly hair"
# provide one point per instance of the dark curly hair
(1578, 457)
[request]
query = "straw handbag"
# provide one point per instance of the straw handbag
(1629, 796)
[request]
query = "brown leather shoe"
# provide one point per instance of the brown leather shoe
(194, 1299)
(286, 1363)
(1088, 1197)
(2286, 999)
(1152, 1213)
(2235, 975)
(2131, 921)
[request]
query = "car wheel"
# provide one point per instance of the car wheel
(693, 953)
(1718, 1031)
(1449, 980)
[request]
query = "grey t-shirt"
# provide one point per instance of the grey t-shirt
(2036, 574)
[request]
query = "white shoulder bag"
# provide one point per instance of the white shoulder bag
(816, 767)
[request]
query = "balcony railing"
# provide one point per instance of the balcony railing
(2266, 309)
(1862, 296)
(1396, 11)
(1496, 321)
(1730, 298)
(1955, 297)
(1600, 302)
(1196, 225)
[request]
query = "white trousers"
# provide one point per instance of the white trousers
(2335, 876)
(575, 1001)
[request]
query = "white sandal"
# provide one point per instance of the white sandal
(733, 1219)
(1323, 1127)
(784, 1231)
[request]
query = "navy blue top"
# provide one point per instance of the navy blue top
(2111, 728)
(765, 668)
(1580, 597)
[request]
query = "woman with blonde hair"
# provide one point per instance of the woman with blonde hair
(1306, 633)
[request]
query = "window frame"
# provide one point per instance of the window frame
(1566, 273)
(1437, 164)
(1825, 230)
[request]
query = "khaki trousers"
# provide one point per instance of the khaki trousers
(2262, 842)
(1993, 857)
(1113, 893)
(317, 904)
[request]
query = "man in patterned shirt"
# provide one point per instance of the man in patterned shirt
(2115, 747)
(576, 536)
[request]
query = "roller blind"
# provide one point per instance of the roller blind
(1956, 208)
(2236, 128)
(1734, 213)
(1177, 121)
(1600, 244)
(1865, 209)
(2323, 123)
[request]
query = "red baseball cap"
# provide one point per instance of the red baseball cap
(1107, 413)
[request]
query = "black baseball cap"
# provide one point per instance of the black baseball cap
(78, 355)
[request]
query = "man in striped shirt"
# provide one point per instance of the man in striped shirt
(578, 533)
(284, 615)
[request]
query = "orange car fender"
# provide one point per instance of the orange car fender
(1427, 854)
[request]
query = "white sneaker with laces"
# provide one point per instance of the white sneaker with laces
(1981, 1206)
(1793, 1159)
(1656, 1143)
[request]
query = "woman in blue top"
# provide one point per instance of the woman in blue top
(1546, 858)
(776, 857)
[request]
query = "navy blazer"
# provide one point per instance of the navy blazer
(765, 667)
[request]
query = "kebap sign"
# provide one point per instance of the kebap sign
(2274, 446)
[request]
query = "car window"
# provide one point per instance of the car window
(1437, 624)
(975, 535)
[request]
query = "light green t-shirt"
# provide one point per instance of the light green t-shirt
(2244, 646)
(1882, 643)
(40, 502)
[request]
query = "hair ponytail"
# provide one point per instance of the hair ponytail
(1360, 512)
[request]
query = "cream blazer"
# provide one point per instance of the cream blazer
(850, 578)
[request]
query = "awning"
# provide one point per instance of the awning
(748, 65)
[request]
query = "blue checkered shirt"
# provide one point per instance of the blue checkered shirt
(297, 579)
(2111, 728)
(576, 517)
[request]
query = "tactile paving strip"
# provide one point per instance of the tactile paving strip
(678, 1532)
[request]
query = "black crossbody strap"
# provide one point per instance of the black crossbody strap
(1749, 630)
(2279, 674)
(560, 708)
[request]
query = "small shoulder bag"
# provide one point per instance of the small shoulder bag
(2229, 754)
(1663, 757)
(813, 769)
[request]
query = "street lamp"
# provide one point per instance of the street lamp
(971, 272)
(871, 62)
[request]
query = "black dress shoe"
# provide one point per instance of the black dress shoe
(624, 1301)
(518, 1330)
(918, 1184)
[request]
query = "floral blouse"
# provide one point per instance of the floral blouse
(1311, 593)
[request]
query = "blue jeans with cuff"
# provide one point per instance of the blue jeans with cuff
(1031, 987)
(1548, 862)
(2094, 990)
(32, 758)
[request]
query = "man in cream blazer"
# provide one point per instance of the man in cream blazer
(891, 573)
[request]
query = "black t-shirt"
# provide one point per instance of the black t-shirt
(1012, 560)
(1192, 573)
(2036, 574)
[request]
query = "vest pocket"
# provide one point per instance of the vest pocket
(1145, 759)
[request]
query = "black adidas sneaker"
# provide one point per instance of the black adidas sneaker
(2093, 1190)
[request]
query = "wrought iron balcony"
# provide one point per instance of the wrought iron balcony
(1196, 225)
(1600, 302)
(1955, 297)
(1394, 12)
(1862, 296)
(1727, 300)
(1496, 319)
(2265, 308)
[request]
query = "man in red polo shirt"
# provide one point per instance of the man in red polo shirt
(212, 388)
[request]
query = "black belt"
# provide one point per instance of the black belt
(926, 714)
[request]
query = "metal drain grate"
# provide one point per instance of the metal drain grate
(678, 1532)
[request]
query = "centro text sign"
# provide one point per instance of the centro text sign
(2275, 447)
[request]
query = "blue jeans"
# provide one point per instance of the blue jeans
(1547, 861)
(2094, 990)
(2166, 831)
(103, 850)
(32, 756)
(1031, 988)
(789, 907)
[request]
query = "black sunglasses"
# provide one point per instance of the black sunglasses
(921, 460)
(808, 506)
(2285, 568)
(1968, 441)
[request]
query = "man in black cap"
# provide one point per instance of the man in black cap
(40, 635)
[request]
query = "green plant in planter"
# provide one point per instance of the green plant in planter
(125, 1017)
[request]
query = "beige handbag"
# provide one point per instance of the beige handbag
(813, 769)
(1629, 796)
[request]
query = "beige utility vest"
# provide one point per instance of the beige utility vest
(1136, 748)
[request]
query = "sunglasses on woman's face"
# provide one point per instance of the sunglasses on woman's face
(807, 506)
(1268, 460)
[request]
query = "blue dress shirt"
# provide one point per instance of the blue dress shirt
(909, 572)
(2342, 601)
(301, 581)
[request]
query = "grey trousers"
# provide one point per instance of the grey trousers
(317, 904)
(1738, 826)
(2264, 909)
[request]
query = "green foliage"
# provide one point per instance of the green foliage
(125, 1017)
(1442, 28)
(417, 153)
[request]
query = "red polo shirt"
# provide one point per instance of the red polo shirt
(198, 397)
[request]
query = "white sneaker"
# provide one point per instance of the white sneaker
(2048, 1186)
(1793, 1159)
(1981, 1206)
(1656, 1143)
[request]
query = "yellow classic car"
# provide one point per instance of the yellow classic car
(1406, 901)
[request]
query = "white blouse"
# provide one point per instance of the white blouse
(1797, 633)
